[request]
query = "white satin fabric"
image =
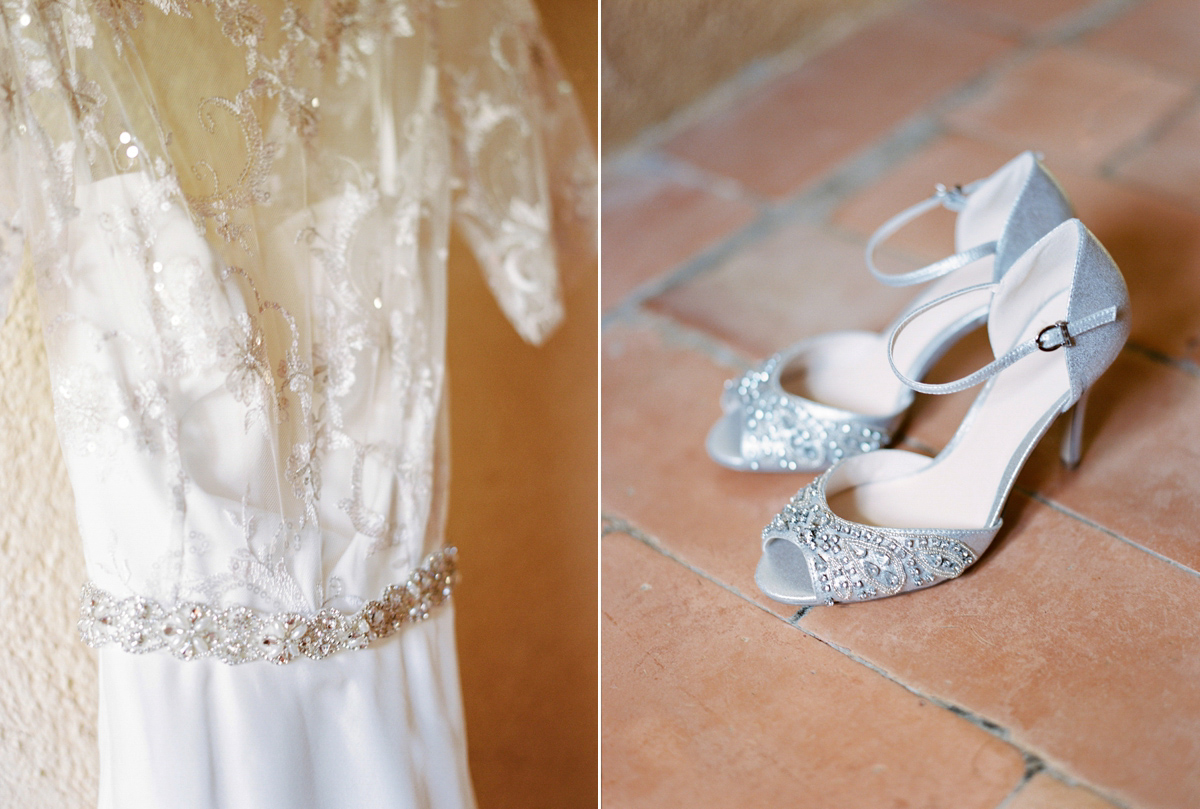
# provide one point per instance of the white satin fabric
(237, 212)
(379, 728)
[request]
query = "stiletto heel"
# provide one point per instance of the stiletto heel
(893, 521)
(1072, 440)
(831, 396)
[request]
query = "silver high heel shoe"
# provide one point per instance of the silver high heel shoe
(893, 521)
(832, 396)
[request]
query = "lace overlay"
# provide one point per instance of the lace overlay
(237, 212)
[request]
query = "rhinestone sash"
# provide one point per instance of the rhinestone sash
(235, 635)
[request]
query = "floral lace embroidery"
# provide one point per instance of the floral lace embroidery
(250, 188)
(248, 377)
(354, 30)
(86, 408)
(263, 568)
(122, 15)
(304, 473)
(301, 291)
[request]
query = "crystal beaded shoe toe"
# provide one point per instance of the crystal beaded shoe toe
(833, 396)
(892, 521)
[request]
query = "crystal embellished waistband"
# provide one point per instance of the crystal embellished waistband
(242, 635)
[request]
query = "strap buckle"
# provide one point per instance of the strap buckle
(1058, 329)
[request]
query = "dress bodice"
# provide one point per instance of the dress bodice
(237, 212)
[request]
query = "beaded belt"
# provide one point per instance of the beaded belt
(241, 635)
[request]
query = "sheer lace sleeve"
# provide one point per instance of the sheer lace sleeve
(525, 173)
(236, 213)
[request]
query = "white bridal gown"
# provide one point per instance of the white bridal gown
(237, 214)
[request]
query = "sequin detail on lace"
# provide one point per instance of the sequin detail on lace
(779, 431)
(234, 635)
(241, 270)
(854, 562)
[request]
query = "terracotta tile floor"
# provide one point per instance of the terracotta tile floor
(1061, 671)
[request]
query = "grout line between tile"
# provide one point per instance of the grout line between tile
(757, 73)
(1033, 766)
(1034, 763)
(1174, 198)
(976, 21)
(707, 259)
(681, 335)
(1068, 512)
(718, 185)
(993, 728)
(761, 71)
(678, 334)
(813, 205)
(1109, 167)
(1087, 21)
(613, 524)
(1073, 25)
(663, 165)
(816, 202)
(1187, 366)
(816, 205)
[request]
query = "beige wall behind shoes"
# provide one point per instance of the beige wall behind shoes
(659, 57)
(522, 511)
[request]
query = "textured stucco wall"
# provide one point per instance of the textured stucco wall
(523, 511)
(47, 677)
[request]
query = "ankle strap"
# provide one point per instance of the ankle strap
(952, 199)
(1052, 337)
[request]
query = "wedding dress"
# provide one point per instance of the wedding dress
(237, 214)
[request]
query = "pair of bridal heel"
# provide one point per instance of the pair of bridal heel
(833, 396)
(880, 522)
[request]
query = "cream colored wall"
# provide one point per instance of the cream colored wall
(47, 677)
(523, 511)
